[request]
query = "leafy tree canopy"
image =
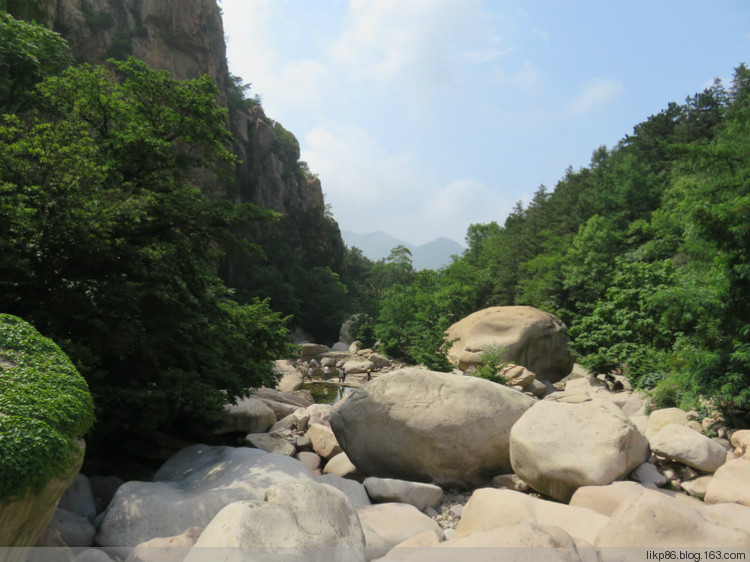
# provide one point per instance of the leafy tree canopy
(28, 54)
(108, 246)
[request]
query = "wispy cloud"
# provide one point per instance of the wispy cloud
(371, 188)
(486, 55)
(595, 94)
(390, 41)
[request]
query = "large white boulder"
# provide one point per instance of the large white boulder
(489, 508)
(387, 524)
(421, 425)
(653, 519)
(522, 541)
(731, 483)
(248, 415)
(682, 444)
(530, 337)
(297, 521)
(309, 351)
(358, 366)
(190, 489)
(659, 419)
(558, 447)
(605, 499)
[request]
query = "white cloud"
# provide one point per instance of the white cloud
(370, 189)
(482, 56)
(359, 89)
(410, 42)
(255, 55)
(596, 94)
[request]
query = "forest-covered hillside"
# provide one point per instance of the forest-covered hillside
(645, 254)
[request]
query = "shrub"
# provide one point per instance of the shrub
(492, 363)
(45, 406)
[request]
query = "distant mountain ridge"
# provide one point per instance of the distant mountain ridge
(378, 245)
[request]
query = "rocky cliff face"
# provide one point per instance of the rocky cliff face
(186, 37)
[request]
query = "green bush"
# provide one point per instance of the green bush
(492, 363)
(44, 406)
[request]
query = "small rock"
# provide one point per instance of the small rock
(510, 481)
(647, 473)
(304, 443)
(697, 488)
(311, 460)
(418, 494)
(280, 443)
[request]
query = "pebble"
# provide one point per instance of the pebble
(448, 513)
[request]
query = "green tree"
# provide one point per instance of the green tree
(714, 193)
(108, 246)
(29, 53)
(589, 263)
(627, 330)
(396, 269)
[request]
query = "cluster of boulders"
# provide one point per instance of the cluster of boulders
(438, 460)
(352, 358)
(415, 463)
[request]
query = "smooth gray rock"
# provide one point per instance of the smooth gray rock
(190, 489)
(418, 494)
(419, 425)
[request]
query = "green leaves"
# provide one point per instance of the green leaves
(45, 407)
(108, 244)
(29, 53)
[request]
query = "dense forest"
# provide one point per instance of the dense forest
(109, 247)
(171, 301)
(644, 254)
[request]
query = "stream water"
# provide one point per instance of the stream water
(327, 392)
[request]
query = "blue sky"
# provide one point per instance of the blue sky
(422, 117)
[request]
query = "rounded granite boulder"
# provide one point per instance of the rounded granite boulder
(419, 425)
(45, 408)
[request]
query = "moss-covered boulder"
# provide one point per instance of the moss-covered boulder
(45, 408)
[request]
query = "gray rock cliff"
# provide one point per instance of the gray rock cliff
(186, 38)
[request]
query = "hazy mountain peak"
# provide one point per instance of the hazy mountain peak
(378, 245)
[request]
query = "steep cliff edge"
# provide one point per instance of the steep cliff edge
(186, 38)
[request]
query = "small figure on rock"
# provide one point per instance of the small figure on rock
(369, 374)
(342, 375)
(325, 373)
(309, 373)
